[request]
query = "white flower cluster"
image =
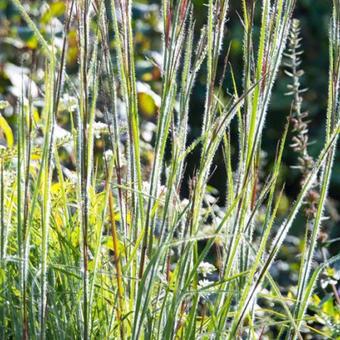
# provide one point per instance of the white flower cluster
(108, 154)
(206, 268)
(147, 131)
(162, 189)
(9, 178)
(68, 103)
(204, 283)
(99, 128)
(202, 286)
(63, 138)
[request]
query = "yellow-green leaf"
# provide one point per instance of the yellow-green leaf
(7, 131)
(56, 10)
(148, 101)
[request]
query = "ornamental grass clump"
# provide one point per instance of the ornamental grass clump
(102, 242)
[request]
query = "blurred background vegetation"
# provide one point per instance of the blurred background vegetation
(20, 60)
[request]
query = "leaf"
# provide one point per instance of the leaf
(147, 105)
(56, 9)
(7, 131)
(32, 43)
(328, 307)
(108, 243)
(148, 101)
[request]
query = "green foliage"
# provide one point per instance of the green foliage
(97, 239)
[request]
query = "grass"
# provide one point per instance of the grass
(113, 250)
